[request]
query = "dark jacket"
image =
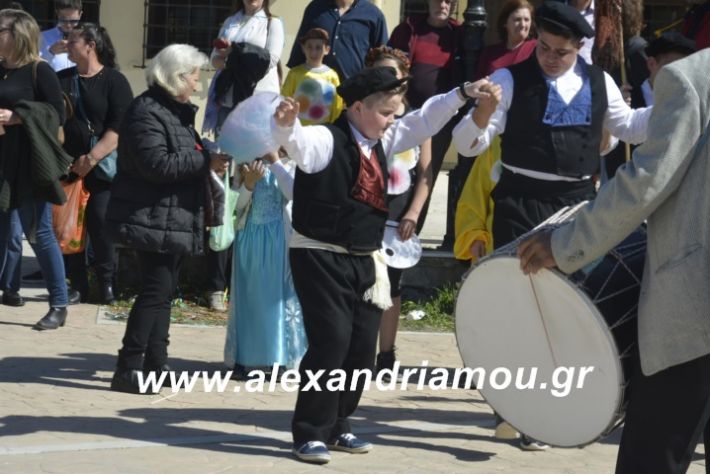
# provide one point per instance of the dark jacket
(36, 176)
(246, 65)
(159, 194)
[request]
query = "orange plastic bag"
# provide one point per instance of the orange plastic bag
(68, 219)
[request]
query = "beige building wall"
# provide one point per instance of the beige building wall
(124, 21)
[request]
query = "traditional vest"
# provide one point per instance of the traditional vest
(345, 203)
(542, 133)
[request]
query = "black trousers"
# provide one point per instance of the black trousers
(342, 334)
(666, 415)
(104, 251)
(521, 203)
(145, 343)
(218, 266)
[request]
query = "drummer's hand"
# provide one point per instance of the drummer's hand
(286, 112)
(407, 226)
(535, 252)
(478, 250)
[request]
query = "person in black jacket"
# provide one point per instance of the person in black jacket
(159, 202)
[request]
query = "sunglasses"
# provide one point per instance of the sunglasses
(68, 22)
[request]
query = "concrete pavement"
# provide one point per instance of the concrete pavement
(57, 414)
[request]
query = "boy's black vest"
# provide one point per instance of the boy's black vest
(323, 206)
(531, 144)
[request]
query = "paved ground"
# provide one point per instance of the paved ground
(58, 416)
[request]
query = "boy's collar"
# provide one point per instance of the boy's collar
(361, 139)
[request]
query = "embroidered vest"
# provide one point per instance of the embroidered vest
(543, 133)
(345, 203)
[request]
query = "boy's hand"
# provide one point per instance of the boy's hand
(478, 250)
(286, 113)
(490, 96)
(474, 89)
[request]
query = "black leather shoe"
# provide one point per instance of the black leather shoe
(159, 370)
(74, 297)
(12, 299)
(106, 294)
(52, 320)
(126, 380)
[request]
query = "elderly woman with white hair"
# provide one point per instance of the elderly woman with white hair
(159, 202)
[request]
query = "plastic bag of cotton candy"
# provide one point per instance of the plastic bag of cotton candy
(246, 133)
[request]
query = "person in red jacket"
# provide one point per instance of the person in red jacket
(434, 45)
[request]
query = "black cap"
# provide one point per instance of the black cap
(369, 81)
(565, 17)
(670, 42)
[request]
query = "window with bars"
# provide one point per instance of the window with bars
(43, 11)
(195, 22)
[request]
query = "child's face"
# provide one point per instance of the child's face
(374, 119)
(315, 50)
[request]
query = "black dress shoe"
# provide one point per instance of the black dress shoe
(106, 294)
(159, 370)
(52, 320)
(12, 299)
(74, 297)
(126, 380)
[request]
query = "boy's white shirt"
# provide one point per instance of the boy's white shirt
(623, 122)
(312, 147)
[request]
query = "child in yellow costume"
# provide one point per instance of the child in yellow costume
(474, 212)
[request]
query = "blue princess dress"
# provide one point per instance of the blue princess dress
(265, 322)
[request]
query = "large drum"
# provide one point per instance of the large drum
(578, 331)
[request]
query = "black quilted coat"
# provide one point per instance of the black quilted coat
(158, 196)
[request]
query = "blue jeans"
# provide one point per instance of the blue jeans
(10, 252)
(36, 221)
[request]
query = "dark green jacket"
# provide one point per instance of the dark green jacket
(31, 159)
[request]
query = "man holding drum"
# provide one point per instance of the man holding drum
(665, 183)
(551, 111)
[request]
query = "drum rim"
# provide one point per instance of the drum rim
(621, 382)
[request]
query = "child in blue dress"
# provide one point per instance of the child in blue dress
(265, 325)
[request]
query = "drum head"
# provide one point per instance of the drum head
(505, 319)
